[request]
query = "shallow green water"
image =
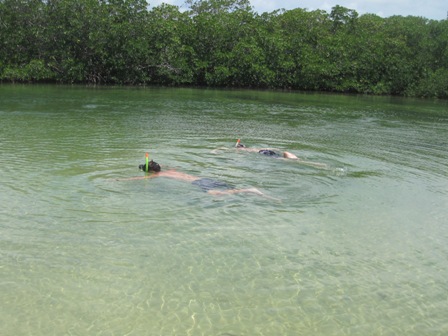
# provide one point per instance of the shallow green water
(358, 248)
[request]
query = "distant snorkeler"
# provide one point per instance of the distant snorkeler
(267, 151)
(275, 154)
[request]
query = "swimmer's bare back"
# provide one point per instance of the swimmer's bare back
(167, 173)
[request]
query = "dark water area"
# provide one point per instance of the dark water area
(356, 245)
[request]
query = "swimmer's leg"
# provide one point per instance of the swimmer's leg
(235, 191)
(288, 155)
(254, 191)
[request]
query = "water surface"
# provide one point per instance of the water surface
(357, 248)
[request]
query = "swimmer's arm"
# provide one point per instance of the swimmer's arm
(216, 150)
(147, 176)
(136, 178)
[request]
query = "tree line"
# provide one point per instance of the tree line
(221, 43)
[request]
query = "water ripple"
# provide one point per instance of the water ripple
(355, 247)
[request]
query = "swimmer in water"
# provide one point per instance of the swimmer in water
(275, 154)
(267, 151)
(213, 187)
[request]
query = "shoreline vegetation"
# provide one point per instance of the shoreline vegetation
(221, 44)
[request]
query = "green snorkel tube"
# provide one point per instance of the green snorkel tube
(147, 163)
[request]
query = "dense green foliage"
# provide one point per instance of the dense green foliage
(221, 43)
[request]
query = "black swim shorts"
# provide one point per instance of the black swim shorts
(269, 152)
(207, 184)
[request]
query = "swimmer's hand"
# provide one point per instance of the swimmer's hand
(217, 150)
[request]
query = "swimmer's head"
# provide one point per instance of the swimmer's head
(152, 166)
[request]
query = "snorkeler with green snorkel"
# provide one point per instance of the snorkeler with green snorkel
(211, 186)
